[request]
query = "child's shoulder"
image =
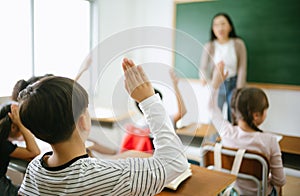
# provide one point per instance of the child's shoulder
(270, 136)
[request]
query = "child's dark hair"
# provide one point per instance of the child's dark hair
(245, 102)
(50, 108)
(5, 122)
(22, 84)
(156, 92)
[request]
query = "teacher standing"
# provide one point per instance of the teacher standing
(224, 47)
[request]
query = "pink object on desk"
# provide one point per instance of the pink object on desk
(136, 139)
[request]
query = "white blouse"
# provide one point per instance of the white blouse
(226, 53)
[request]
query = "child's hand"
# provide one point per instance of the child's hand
(174, 77)
(136, 82)
(203, 82)
(14, 114)
(219, 75)
(87, 63)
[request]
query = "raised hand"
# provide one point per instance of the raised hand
(174, 77)
(136, 82)
(219, 75)
(87, 64)
(180, 103)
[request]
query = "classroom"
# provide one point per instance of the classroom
(59, 37)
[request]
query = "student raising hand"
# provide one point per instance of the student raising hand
(181, 109)
(131, 176)
(249, 109)
(136, 82)
(219, 75)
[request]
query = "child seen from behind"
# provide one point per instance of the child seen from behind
(249, 109)
(62, 119)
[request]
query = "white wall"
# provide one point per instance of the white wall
(122, 33)
(117, 17)
(282, 117)
(284, 112)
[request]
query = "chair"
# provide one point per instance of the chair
(254, 165)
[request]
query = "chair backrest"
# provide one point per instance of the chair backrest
(254, 165)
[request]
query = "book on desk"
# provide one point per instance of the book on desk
(182, 177)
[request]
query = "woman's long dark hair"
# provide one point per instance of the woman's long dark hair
(232, 33)
(245, 102)
(5, 122)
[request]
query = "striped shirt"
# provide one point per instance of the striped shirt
(89, 176)
(132, 176)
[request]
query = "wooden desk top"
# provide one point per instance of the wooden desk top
(198, 130)
(290, 144)
(108, 116)
(202, 182)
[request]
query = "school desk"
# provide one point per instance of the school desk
(193, 134)
(290, 148)
(202, 182)
(108, 116)
(290, 144)
(197, 130)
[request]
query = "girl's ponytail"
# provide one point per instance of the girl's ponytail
(245, 102)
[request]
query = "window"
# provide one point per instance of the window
(15, 47)
(39, 37)
(61, 32)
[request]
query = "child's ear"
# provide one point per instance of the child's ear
(256, 115)
(84, 125)
(256, 118)
(84, 122)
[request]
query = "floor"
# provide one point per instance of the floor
(292, 187)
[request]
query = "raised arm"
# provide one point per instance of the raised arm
(215, 113)
(181, 109)
(31, 150)
(87, 64)
(168, 147)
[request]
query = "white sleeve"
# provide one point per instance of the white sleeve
(168, 147)
(215, 113)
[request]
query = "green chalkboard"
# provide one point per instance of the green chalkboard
(269, 28)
